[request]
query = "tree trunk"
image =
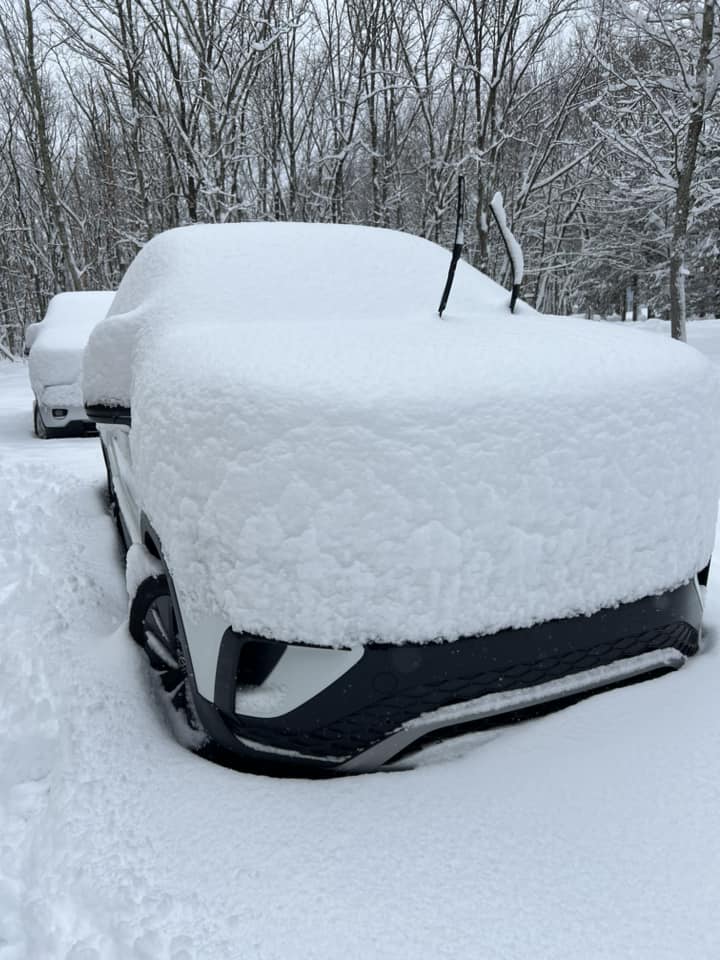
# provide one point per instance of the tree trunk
(683, 203)
(43, 145)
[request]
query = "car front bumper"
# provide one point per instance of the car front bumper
(69, 420)
(391, 700)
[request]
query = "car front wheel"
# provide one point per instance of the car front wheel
(41, 431)
(154, 625)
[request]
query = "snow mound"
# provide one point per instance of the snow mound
(56, 356)
(260, 272)
(343, 466)
(416, 479)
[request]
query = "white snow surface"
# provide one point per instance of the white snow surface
(255, 273)
(701, 334)
(327, 461)
(55, 362)
(592, 834)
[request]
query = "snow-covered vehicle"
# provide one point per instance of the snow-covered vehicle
(353, 526)
(56, 347)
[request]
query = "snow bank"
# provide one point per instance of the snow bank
(374, 472)
(56, 356)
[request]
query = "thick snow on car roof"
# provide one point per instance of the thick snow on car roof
(57, 353)
(288, 272)
(374, 472)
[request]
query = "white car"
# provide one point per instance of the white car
(354, 525)
(56, 347)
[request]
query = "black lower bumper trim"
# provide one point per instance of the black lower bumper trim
(520, 714)
(74, 428)
(391, 685)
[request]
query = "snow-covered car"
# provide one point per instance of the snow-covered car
(56, 347)
(354, 526)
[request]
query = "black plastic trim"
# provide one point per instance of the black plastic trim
(390, 685)
(229, 665)
(75, 428)
(99, 413)
(521, 714)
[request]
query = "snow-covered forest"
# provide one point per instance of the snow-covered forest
(599, 120)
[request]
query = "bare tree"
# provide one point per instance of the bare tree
(25, 53)
(663, 73)
(120, 118)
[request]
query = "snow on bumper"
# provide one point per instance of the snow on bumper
(63, 395)
(61, 406)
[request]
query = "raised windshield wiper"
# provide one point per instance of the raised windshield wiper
(458, 245)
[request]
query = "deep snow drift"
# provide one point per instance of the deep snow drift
(592, 834)
(325, 460)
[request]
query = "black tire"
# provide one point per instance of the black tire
(39, 428)
(155, 626)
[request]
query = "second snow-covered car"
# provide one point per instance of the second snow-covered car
(353, 526)
(56, 347)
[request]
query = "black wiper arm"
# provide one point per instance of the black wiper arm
(458, 245)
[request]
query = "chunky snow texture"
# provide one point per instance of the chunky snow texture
(55, 362)
(514, 248)
(373, 472)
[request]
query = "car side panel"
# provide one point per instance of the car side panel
(116, 440)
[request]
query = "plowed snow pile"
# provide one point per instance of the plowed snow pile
(593, 833)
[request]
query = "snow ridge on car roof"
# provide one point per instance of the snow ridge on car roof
(305, 270)
(281, 271)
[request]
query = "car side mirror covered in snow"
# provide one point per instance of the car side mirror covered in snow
(31, 335)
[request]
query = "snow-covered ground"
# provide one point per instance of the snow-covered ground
(702, 334)
(592, 833)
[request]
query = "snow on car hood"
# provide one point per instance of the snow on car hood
(374, 472)
(57, 353)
